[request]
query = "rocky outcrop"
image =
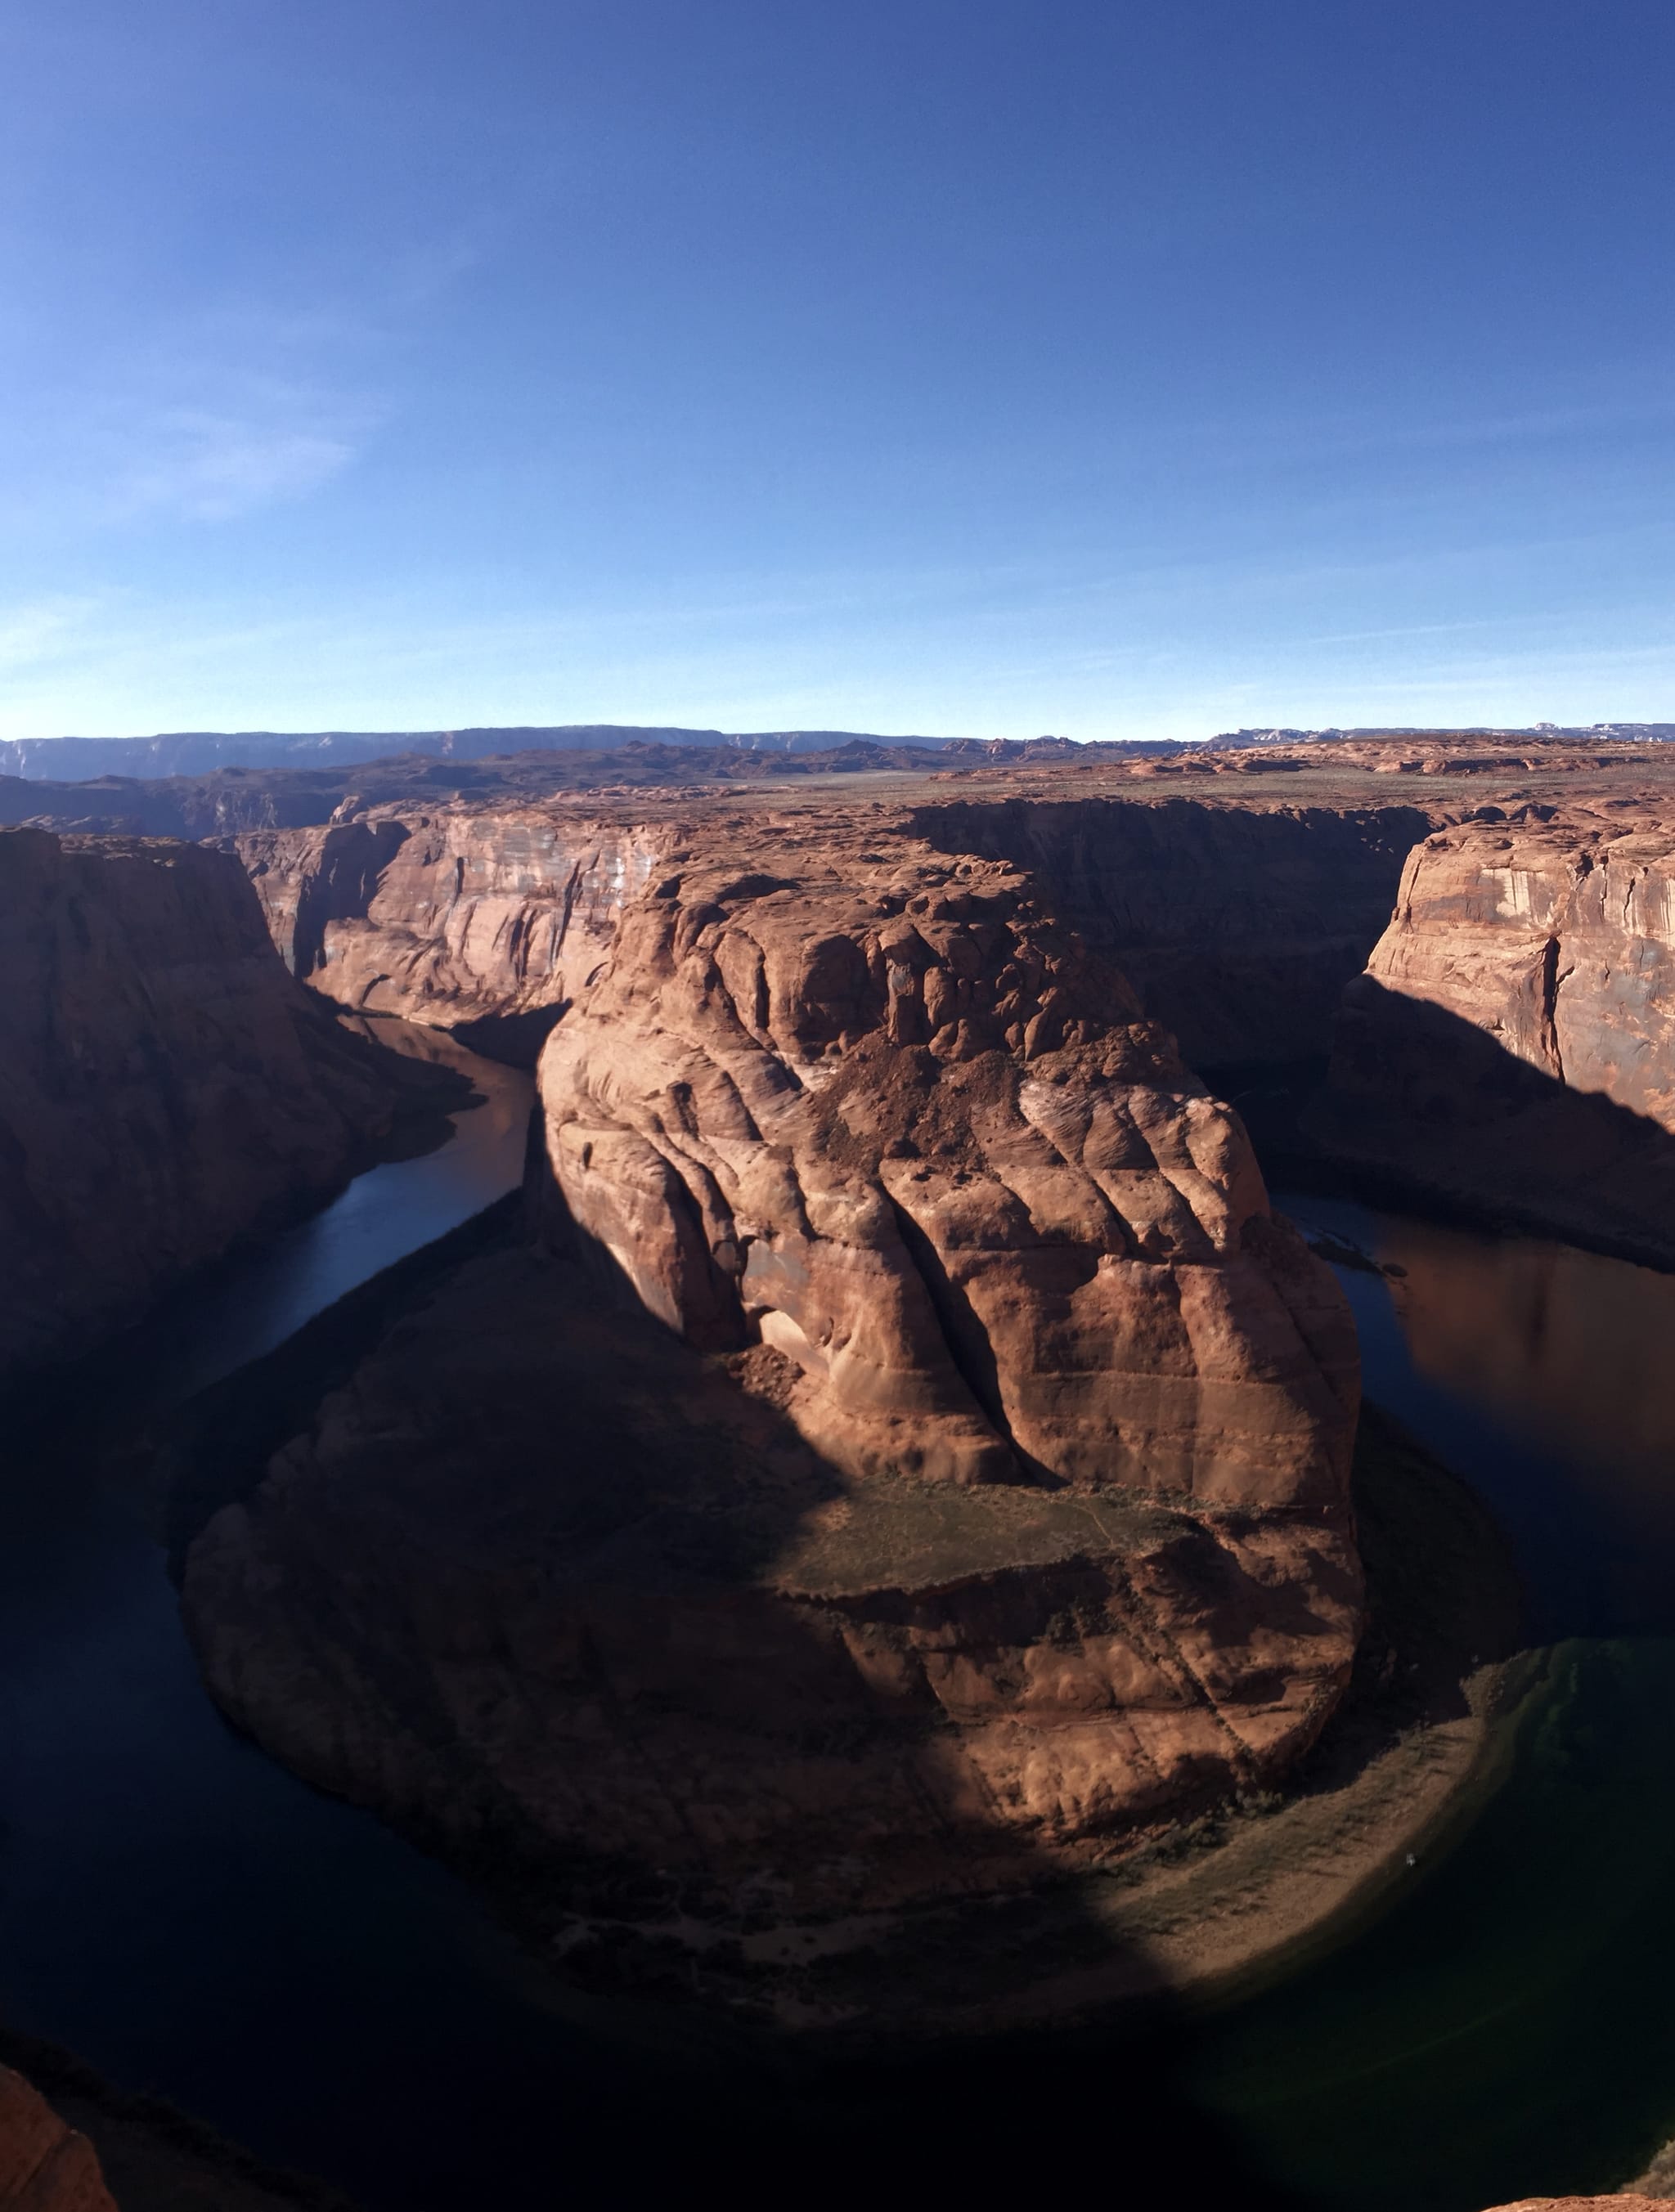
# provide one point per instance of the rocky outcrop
(578, 1606)
(888, 1115)
(456, 918)
(1513, 1041)
(921, 1462)
(1237, 926)
(1623, 2202)
(45, 2166)
(165, 1087)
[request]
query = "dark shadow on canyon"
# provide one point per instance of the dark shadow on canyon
(558, 1455)
(1238, 928)
(1423, 1109)
(1508, 1334)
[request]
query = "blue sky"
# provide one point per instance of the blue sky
(940, 365)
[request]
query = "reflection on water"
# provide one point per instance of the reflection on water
(260, 1298)
(1505, 2031)
(174, 1906)
(1569, 1352)
(1541, 1374)
(180, 1911)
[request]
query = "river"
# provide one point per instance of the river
(192, 1921)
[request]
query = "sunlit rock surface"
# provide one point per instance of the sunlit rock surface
(1513, 1041)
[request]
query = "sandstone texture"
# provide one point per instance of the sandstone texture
(45, 2166)
(165, 1087)
(1623, 2202)
(1237, 927)
(579, 1606)
(914, 1457)
(887, 1115)
(1513, 1041)
(452, 916)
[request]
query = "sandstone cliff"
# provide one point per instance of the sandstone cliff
(165, 1088)
(1236, 926)
(888, 1115)
(450, 917)
(993, 1507)
(1513, 1041)
(45, 2166)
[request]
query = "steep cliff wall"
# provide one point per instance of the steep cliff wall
(922, 1463)
(456, 917)
(886, 1113)
(1238, 927)
(1513, 1041)
(165, 1087)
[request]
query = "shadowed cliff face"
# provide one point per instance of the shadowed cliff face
(1513, 1041)
(458, 917)
(892, 1118)
(165, 1087)
(579, 1606)
(994, 1505)
(1237, 926)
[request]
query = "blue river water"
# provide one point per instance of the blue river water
(192, 1921)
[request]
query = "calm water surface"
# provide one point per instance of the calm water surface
(190, 1919)
(1510, 2028)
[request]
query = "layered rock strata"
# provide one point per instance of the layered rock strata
(952, 1482)
(1238, 927)
(450, 917)
(165, 1087)
(1512, 1042)
(890, 1117)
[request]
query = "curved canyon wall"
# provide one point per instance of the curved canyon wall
(454, 917)
(1513, 1041)
(953, 1482)
(165, 1087)
(1237, 925)
(888, 1114)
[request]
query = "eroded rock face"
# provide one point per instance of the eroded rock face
(579, 1606)
(951, 1481)
(1237, 926)
(45, 2166)
(450, 917)
(927, 1148)
(165, 1087)
(1513, 1038)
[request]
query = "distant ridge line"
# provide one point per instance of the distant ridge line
(196, 752)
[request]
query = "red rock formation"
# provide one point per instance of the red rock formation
(995, 1504)
(892, 1118)
(45, 2166)
(1513, 1041)
(165, 1088)
(557, 1594)
(451, 916)
(995, 1507)
(1236, 926)
(1622, 2202)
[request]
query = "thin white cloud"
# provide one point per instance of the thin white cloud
(37, 630)
(208, 467)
